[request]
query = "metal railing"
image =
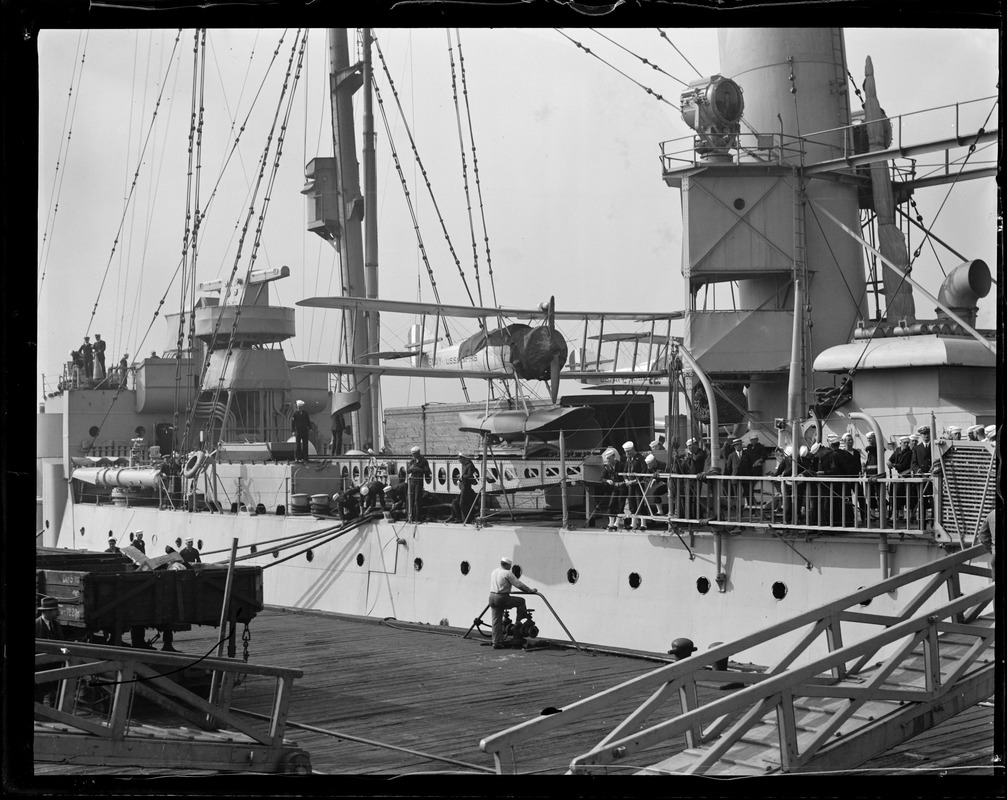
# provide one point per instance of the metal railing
(723, 722)
(863, 503)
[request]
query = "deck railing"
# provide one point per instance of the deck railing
(869, 505)
(772, 687)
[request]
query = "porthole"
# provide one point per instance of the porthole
(360, 559)
(465, 568)
(739, 203)
(276, 554)
(82, 533)
(634, 580)
(779, 590)
(703, 585)
(356, 473)
(417, 564)
(310, 555)
(494, 475)
(178, 541)
(93, 431)
(572, 576)
(530, 472)
(509, 475)
(551, 472)
(455, 475)
(199, 544)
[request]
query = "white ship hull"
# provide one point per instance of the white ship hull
(633, 590)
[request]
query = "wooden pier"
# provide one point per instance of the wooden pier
(403, 699)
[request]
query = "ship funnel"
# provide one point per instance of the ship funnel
(963, 287)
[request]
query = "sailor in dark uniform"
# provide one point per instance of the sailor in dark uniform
(138, 542)
(123, 370)
(189, 553)
(921, 464)
(461, 506)
(99, 357)
(87, 356)
(395, 497)
(112, 546)
(418, 470)
(372, 494)
(348, 503)
(900, 463)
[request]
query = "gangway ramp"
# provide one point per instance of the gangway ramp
(922, 665)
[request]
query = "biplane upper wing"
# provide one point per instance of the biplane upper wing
(474, 312)
(410, 372)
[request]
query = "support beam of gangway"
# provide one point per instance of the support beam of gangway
(847, 685)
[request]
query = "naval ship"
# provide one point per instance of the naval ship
(803, 323)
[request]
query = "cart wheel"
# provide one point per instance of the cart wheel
(296, 764)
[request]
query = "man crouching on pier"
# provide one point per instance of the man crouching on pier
(501, 581)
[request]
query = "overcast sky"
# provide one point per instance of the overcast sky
(568, 156)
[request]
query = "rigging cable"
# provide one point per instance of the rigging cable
(475, 169)
(201, 219)
(465, 174)
(665, 37)
(408, 197)
(423, 171)
(129, 196)
(257, 236)
(647, 89)
(642, 60)
(187, 295)
(62, 155)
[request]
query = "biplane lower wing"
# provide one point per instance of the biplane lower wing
(628, 387)
(404, 372)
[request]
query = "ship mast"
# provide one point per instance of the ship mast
(358, 329)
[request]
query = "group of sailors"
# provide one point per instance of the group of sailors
(87, 363)
(407, 499)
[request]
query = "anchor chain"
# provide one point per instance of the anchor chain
(246, 637)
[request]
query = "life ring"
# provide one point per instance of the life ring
(194, 465)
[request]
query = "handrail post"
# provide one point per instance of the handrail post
(224, 617)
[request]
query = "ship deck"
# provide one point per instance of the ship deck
(394, 693)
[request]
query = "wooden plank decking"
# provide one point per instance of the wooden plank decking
(427, 689)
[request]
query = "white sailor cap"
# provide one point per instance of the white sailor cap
(754, 437)
(990, 431)
(904, 438)
(975, 429)
(111, 538)
(300, 402)
(690, 442)
(610, 452)
(803, 450)
(414, 449)
(388, 489)
(364, 491)
(650, 459)
(870, 435)
(737, 441)
(188, 539)
(628, 446)
(816, 447)
(464, 455)
(954, 429)
(507, 561)
(138, 533)
(788, 450)
(832, 438)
